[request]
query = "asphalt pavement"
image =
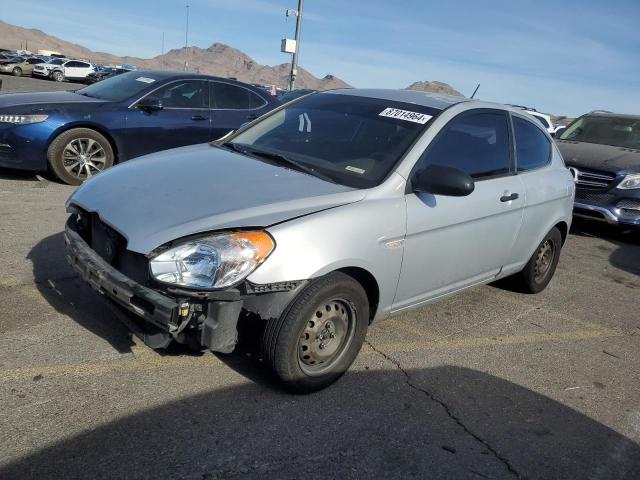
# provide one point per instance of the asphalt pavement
(488, 384)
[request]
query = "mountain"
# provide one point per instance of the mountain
(220, 60)
(434, 87)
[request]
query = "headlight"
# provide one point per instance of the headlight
(630, 182)
(22, 119)
(216, 261)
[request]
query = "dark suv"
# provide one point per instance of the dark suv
(602, 150)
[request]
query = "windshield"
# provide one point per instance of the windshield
(615, 131)
(120, 87)
(355, 141)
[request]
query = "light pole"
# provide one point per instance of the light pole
(294, 57)
(186, 41)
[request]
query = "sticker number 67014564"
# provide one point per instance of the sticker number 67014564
(407, 115)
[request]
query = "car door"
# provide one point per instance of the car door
(72, 69)
(455, 242)
(183, 120)
(29, 64)
(233, 106)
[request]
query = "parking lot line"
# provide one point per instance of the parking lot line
(148, 362)
(147, 359)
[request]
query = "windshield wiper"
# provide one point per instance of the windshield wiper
(280, 158)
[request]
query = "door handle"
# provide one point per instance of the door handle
(508, 198)
(198, 118)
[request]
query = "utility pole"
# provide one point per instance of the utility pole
(162, 52)
(294, 57)
(186, 41)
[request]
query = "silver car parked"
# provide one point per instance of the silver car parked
(333, 211)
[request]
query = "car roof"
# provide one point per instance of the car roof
(426, 99)
(438, 101)
(172, 75)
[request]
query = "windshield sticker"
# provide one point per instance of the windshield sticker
(145, 79)
(304, 117)
(355, 169)
(405, 115)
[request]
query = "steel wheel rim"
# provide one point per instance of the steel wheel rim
(326, 336)
(544, 260)
(83, 158)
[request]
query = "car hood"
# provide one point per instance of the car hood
(163, 196)
(48, 98)
(600, 157)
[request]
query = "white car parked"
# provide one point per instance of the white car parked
(60, 69)
(543, 118)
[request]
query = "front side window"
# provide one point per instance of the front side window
(476, 143)
(72, 64)
(232, 97)
(533, 149)
(615, 131)
(355, 141)
(183, 94)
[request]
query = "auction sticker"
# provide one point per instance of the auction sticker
(407, 115)
(145, 79)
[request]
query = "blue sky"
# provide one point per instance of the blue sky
(562, 56)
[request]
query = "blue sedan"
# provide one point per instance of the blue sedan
(78, 134)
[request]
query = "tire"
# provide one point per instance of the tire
(332, 311)
(538, 272)
(79, 154)
(16, 72)
(57, 76)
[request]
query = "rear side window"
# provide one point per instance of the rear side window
(73, 64)
(533, 148)
(476, 143)
(232, 97)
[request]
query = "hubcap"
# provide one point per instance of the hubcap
(83, 158)
(544, 259)
(326, 336)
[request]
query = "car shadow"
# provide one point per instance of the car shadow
(626, 255)
(68, 294)
(447, 422)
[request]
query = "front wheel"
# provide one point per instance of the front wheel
(317, 339)
(57, 76)
(78, 154)
(16, 72)
(539, 270)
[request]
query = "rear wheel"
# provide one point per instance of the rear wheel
(539, 270)
(316, 340)
(78, 154)
(16, 72)
(57, 76)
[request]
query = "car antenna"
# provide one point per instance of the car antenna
(475, 91)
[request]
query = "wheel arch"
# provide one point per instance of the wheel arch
(370, 285)
(564, 230)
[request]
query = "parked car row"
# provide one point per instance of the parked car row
(78, 134)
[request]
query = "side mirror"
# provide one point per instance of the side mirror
(441, 180)
(150, 104)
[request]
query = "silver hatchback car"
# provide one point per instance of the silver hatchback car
(333, 211)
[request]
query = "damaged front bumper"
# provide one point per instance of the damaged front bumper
(208, 319)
